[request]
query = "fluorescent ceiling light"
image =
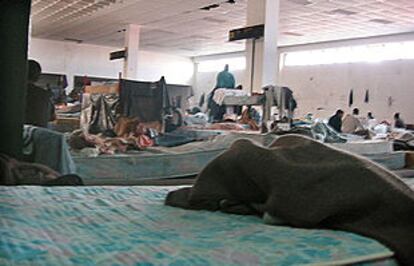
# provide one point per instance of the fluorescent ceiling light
(342, 12)
(381, 21)
(302, 2)
(290, 33)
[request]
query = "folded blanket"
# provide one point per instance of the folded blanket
(220, 94)
(304, 183)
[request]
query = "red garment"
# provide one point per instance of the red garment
(144, 141)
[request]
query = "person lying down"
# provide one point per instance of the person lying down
(303, 183)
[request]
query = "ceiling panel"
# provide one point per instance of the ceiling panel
(180, 27)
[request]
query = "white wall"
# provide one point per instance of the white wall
(175, 69)
(328, 86)
(91, 60)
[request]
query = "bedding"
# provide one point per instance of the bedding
(306, 184)
(157, 162)
(131, 226)
(172, 162)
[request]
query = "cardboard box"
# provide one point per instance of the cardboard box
(98, 89)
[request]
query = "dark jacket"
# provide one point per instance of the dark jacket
(399, 123)
(39, 107)
(336, 123)
(216, 111)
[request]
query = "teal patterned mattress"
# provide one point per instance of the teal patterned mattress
(131, 226)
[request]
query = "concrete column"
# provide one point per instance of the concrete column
(132, 47)
(270, 56)
(266, 63)
(14, 29)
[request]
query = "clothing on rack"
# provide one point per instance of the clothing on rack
(148, 101)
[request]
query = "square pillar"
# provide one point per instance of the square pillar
(132, 34)
(266, 61)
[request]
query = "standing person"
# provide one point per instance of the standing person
(225, 79)
(39, 107)
(336, 120)
(398, 122)
(351, 123)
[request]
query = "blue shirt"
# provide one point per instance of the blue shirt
(225, 80)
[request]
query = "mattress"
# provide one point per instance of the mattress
(131, 226)
(157, 162)
(131, 169)
(176, 162)
(366, 147)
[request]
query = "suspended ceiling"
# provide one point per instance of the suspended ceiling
(181, 27)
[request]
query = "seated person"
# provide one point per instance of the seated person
(39, 107)
(173, 120)
(399, 123)
(336, 120)
(351, 123)
(251, 118)
(371, 121)
(370, 116)
(195, 117)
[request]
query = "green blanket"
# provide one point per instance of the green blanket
(131, 226)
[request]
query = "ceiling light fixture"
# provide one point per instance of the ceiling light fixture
(73, 40)
(303, 2)
(207, 8)
(216, 5)
(214, 20)
(381, 21)
(342, 12)
(290, 33)
(199, 37)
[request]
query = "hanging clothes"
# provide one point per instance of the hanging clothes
(216, 111)
(390, 101)
(179, 95)
(366, 100)
(202, 100)
(351, 98)
(99, 112)
(145, 100)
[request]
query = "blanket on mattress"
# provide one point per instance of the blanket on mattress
(304, 183)
(131, 226)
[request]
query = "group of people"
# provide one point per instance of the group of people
(352, 123)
